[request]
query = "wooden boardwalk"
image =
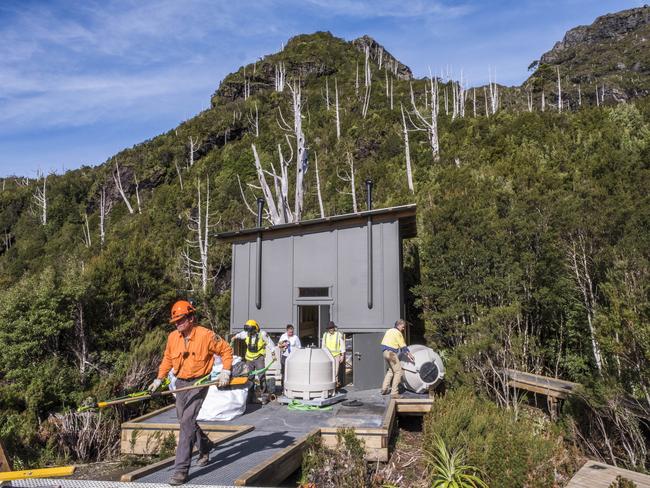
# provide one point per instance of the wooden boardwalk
(596, 475)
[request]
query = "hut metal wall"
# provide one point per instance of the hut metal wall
(335, 259)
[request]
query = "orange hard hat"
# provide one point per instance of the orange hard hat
(181, 309)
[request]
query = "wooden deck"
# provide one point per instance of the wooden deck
(598, 475)
(373, 423)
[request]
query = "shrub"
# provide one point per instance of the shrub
(330, 468)
(511, 452)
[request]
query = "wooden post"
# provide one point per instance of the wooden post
(5, 464)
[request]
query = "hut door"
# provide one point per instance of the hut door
(323, 319)
(367, 363)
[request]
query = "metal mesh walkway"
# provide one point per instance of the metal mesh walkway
(231, 459)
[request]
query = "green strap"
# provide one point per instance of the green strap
(301, 407)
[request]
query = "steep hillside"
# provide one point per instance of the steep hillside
(612, 54)
(532, 253)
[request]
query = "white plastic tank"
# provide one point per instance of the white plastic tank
(309, 374)
(428, 370)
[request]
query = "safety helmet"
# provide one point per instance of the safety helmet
(252, 326)
(180, 310)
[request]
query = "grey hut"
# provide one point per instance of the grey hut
(345, 268)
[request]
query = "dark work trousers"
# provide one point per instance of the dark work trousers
(283, 361)
(188, 404)
(258, 363)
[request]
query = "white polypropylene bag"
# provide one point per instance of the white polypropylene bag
(223, 404)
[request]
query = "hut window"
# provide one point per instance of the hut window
(314, 292)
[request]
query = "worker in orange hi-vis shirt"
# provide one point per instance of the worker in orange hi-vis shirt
(190, 355)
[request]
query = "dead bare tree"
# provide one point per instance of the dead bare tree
(327, 93)
(347, 175)
(137, 192)
(118, 184)
(194, 147)
(200, 225)
(180, 176)
(559, 91)
(102, 215)
(280, 74)
(356, 82)
(407, 152)
(578, 254)
(494, 92)
(40, 197)
(579, 96)
(301, 149)
(529, 99)
(338, 117)
(318, 191)
(543, 100)
(254, 121)
(429, 125)
(86, 231)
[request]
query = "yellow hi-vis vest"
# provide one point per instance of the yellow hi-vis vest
(332, 342)
(261, 347)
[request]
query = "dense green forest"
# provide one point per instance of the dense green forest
(532, 249)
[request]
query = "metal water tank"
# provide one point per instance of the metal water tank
(428, 370)
(309, 374)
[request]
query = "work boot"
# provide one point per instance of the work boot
(395, 395)
(178, 478)
(204, 459)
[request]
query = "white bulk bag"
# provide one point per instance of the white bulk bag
(223, 405)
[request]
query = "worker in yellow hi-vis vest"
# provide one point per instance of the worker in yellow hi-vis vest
(392, 345)
(334, 342)
(256, 343)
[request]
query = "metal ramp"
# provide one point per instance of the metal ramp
(231, 459)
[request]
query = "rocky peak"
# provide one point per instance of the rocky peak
(379, 53)
(607, 28)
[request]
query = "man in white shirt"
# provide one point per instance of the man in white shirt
(288, 342)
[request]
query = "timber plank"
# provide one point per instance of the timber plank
(594, 474)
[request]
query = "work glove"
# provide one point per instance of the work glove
(411, 357)
(223, 379)
(154, 385)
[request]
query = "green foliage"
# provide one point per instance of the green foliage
(621, 482)
(448, 468)
(509, 451)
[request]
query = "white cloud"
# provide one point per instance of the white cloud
(389, 8)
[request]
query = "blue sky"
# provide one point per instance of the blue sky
(80, 80)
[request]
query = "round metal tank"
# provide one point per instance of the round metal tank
(428, 370)
(309, 374)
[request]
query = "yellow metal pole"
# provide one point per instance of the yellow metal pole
(37, 473)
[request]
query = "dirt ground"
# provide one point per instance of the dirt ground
(103, 471)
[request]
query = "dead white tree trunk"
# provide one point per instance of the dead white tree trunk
(338, 117)
(180, 176)
(40, 196)
(356, 82)
(543, 100)
(579, 261)
(254, 121)
(348, 177)
(429, 125)
(494, 92)
(102, 215)
(280, 73)
(391, 94)
(201, 226)
(559, 91)
(302, 162)
(529, 99)
(327, 93)
(118, 184)
(407, 152)
(85, 227)
(579, 96)
(386, 73)
(137, 192)
(194, 147)
(318, 191)
(368, 74)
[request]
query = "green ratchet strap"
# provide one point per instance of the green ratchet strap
(301, 407)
